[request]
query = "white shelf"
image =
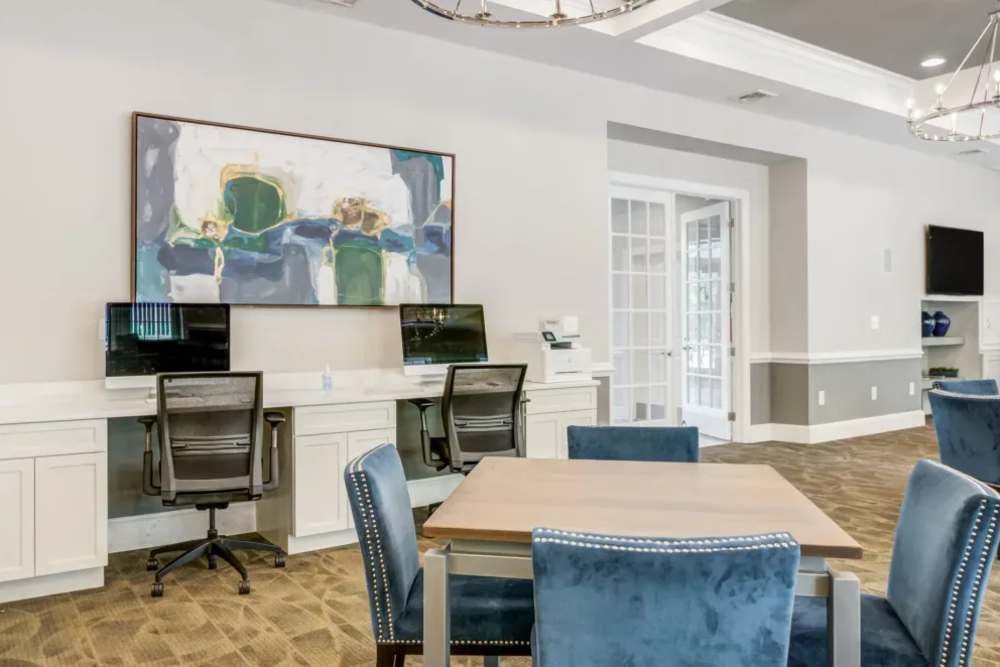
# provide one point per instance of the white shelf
(950, 297)
(943, 341)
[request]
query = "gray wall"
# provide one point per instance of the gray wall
(784, 393)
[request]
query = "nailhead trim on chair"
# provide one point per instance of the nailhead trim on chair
(371, 524)
(751, 543)
(672, 542)
(970, 612)
(957, 588)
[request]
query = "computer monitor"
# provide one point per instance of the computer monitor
(436, 335)
(143, 339)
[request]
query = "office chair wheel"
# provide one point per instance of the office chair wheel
(279, 560)
(245, 587)
(152, 564)
(157, 591)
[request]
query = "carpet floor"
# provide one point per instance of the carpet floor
(315, 611)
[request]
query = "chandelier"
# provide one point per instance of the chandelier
(563, 12)
(975, 115)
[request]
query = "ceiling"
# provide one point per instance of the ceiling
(893, 34)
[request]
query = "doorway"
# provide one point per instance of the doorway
(672, 308)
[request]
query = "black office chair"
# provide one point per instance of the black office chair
(480, 415)
(211, 436)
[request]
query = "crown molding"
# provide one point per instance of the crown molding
(727, 42)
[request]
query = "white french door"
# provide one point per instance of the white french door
(640, 306)
(706, 301)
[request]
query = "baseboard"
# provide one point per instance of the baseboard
(51, 584)
(430, 490)
(149, 530)
(851, 428)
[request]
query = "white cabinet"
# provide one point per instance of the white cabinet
(357, 444)
(71, 512)
(53, 504)
(17, 519)
(317, 498)
(550, 413)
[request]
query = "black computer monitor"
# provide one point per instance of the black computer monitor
(436, 335)
(143, 339)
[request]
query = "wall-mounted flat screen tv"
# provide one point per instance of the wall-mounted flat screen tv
(954, 261)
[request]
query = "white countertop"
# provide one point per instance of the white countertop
(65, 401)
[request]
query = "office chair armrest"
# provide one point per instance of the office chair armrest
(149, 485)
(275, 420)
(430, 459)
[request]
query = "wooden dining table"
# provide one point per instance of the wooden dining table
(487, 521)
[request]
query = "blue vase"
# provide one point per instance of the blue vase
(941, 324)
(927, 323)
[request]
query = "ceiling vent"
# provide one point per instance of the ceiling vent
(755, 96)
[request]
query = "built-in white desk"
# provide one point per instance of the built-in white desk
(53, 464)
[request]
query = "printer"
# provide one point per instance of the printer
(555, 353)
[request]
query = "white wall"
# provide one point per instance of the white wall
(531, 207)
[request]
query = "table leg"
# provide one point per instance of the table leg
(437, 612)
(843, 626)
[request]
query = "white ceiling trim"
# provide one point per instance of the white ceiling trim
(727, 42)
(652, 17)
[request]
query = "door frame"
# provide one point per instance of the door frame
(740, 275)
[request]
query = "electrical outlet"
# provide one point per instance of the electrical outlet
(874, 393)
(875, 323)
(821, 398)
(913, 388)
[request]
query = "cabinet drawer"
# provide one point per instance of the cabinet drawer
(344, 417)
(53, 438)
(561, 400)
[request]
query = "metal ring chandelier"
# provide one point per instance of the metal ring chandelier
(564, 12)
(966, 121)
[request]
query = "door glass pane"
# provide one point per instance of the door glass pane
(658, 402)
(657, 256)
(623, 368)
(657, 220)
(640, 367)
(658, 366)
(640, 397)
(622, 405)
(640, 329)
(658, 292)
(619, 216)
(639, 291)
(639, 217)
(619, 329)
(639, 254)
(619, 253)
(619, 291)
(658, 329)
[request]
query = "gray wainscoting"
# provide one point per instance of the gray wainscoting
(787, 393)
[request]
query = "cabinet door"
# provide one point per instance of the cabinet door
(316, 492)
(567, 419)
(17, 519)
(71, 512)
(542, 436)
(357, 444)
(991, 366)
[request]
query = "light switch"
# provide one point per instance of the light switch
(821, 397)
(874, 393)
(875, 323)
(913, 388)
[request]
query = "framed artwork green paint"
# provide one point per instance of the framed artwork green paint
(240, 215)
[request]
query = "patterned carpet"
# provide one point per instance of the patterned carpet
(315, 612)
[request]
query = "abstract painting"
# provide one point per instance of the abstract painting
(229, 214)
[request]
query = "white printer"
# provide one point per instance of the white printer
(555, 353)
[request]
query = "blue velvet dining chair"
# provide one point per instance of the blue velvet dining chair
(968, 433)
(677, 444)
(973, 387)
(489, 616)
(946, 541)
(602, 600)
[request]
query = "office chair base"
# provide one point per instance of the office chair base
(211, 548)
